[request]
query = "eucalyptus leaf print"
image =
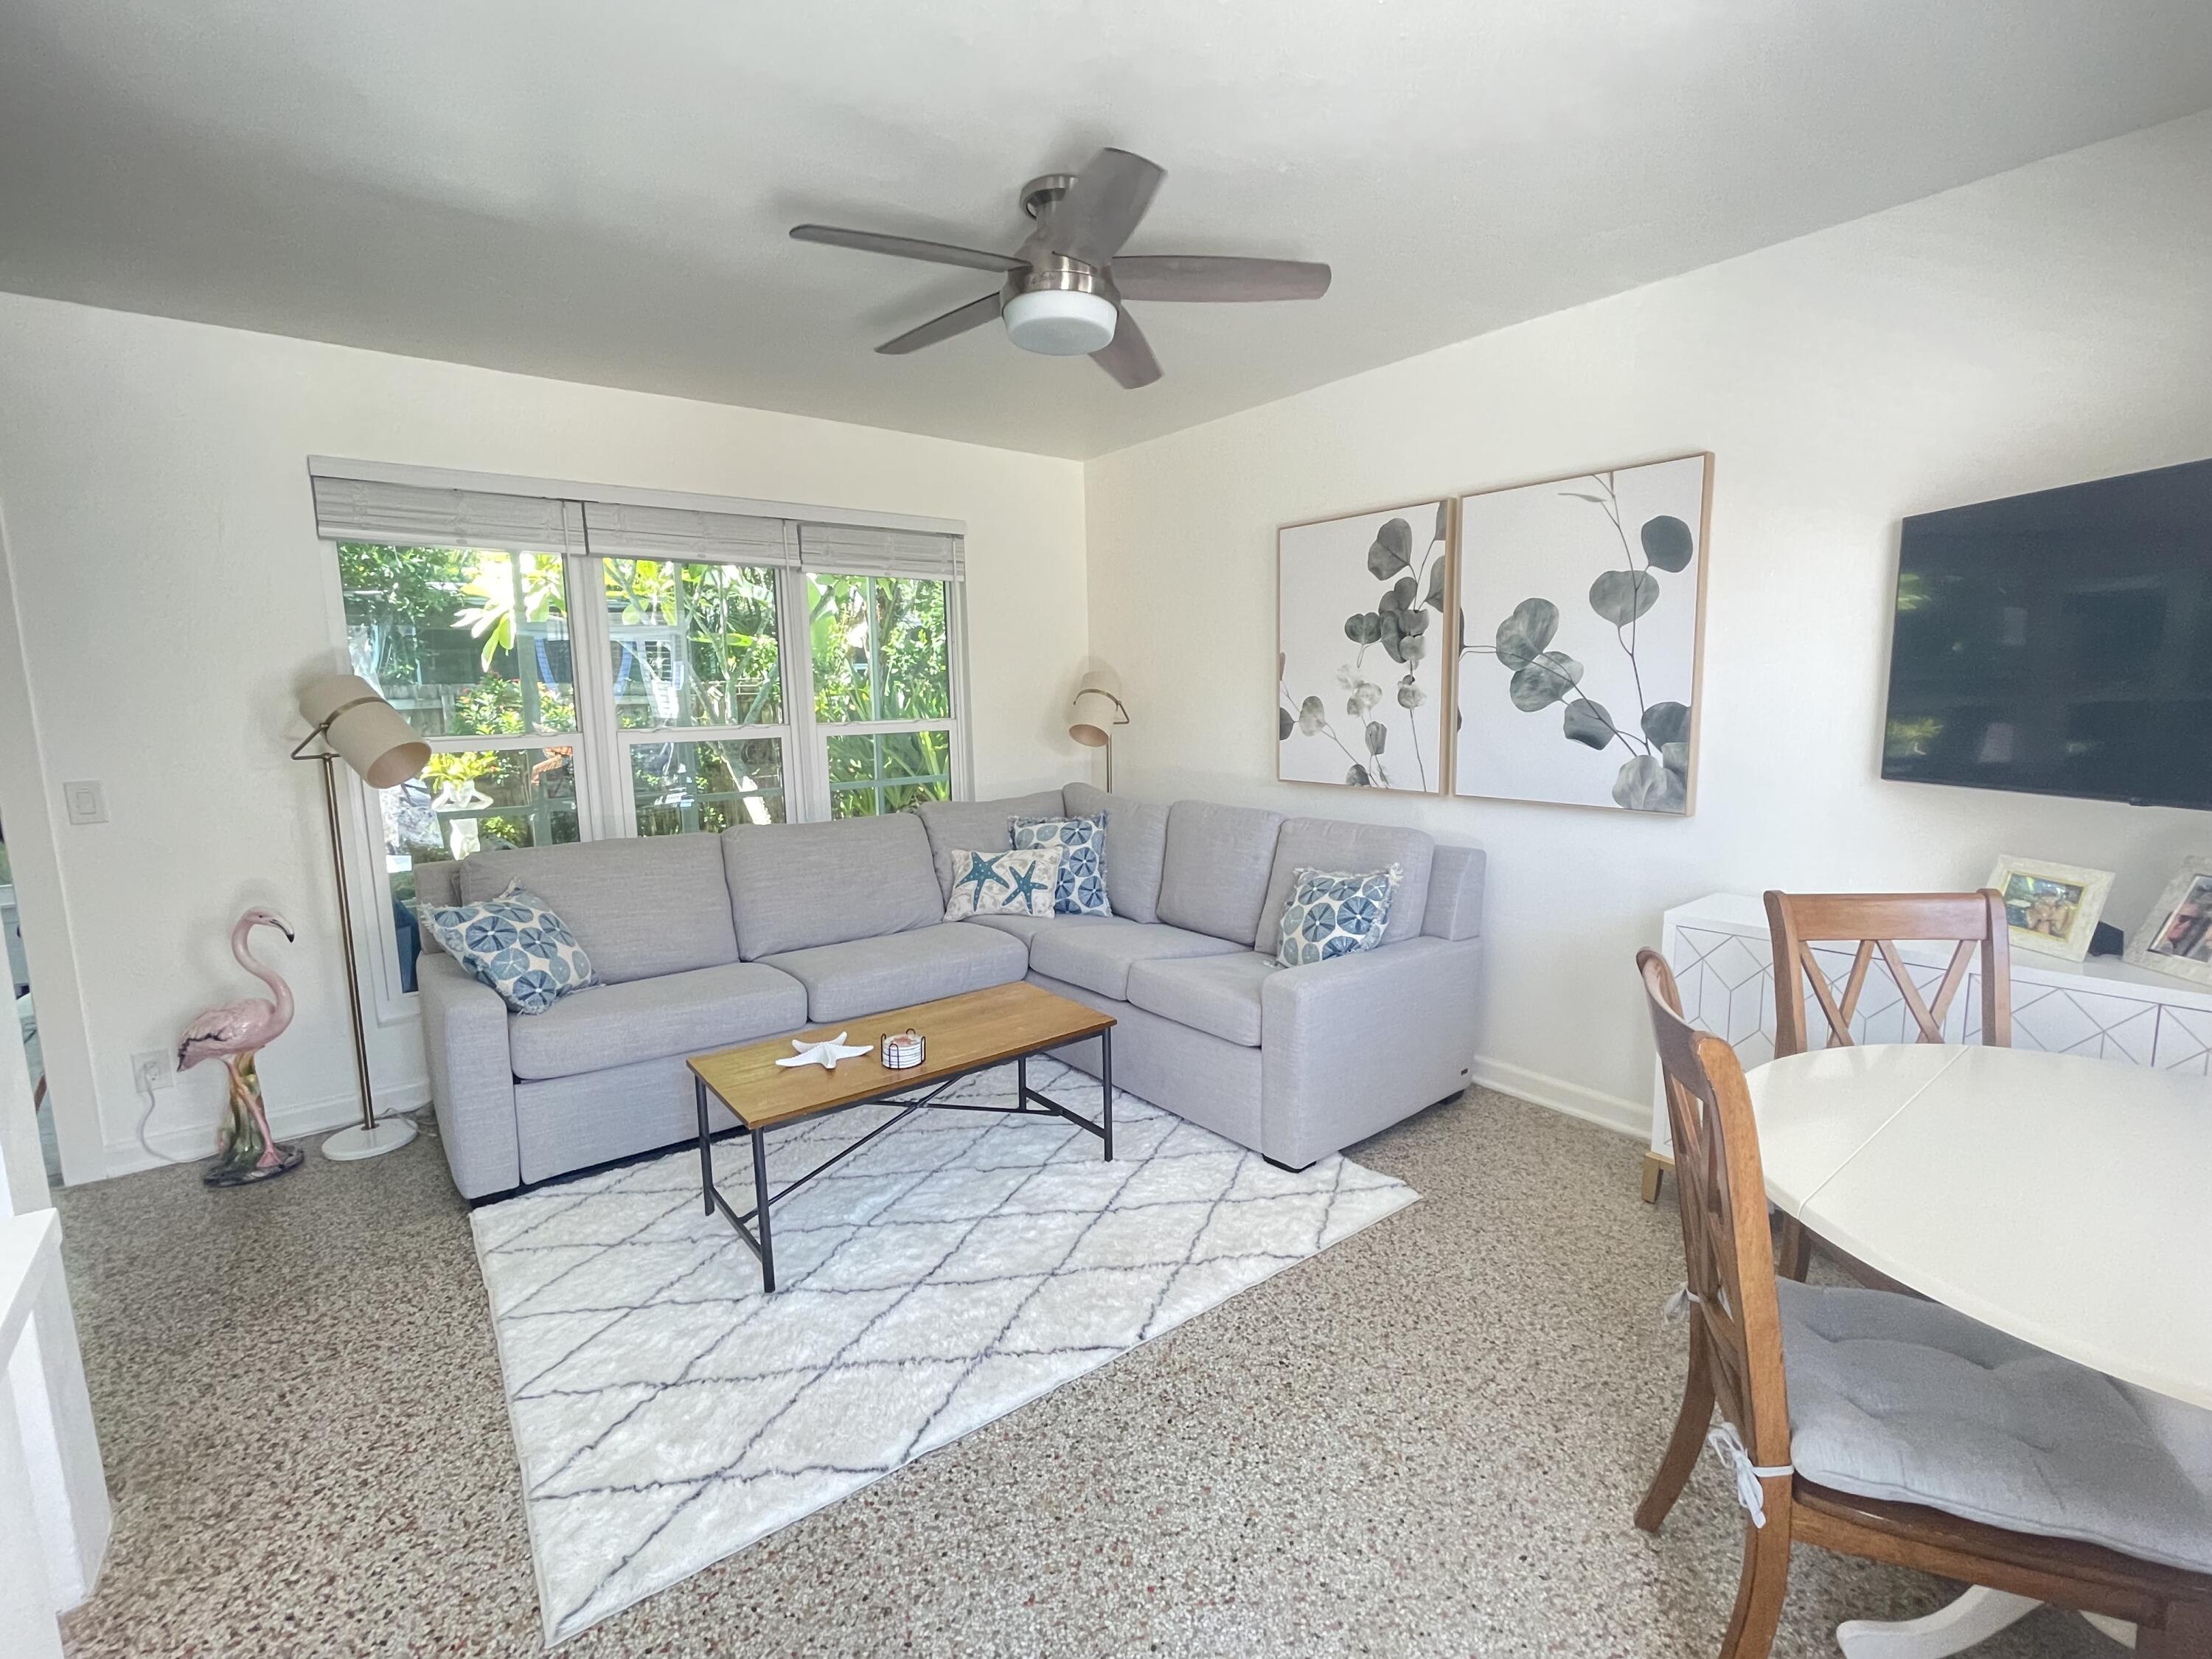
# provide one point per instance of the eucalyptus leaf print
(1381, 726)
(1619, 663)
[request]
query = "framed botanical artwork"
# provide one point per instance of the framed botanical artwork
(1582, 615)
(2051, 908)
(1360, 604)
(2175, 937)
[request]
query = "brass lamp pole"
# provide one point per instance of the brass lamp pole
(352, 723)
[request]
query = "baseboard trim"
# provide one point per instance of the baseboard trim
(189, 1142)
(1612, 1112)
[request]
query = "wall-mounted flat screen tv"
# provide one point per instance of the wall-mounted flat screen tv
(2060, 643)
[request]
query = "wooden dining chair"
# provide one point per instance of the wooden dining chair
(1737, 1331)
(1873, 924)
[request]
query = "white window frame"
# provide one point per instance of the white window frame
(605, 796)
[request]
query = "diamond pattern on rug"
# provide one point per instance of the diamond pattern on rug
(667, 1414)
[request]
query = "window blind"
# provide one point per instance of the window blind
(851, 550)
(621, 530)
(364, 510)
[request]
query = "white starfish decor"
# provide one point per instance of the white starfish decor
(826, 1055)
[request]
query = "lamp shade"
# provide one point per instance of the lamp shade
(1098, 707)
(367, 731)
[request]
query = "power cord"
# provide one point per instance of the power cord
(153, 1100)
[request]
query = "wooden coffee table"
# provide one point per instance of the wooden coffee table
(961, 1036)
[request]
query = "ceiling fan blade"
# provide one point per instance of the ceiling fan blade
(1210, 276)
(959, 321)
(1102, 207)
(1128, 355)
(905, 247)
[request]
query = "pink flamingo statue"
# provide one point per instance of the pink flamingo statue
(235, 1033)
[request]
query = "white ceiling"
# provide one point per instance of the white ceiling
(600, 192)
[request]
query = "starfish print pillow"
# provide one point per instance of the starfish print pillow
(1014, 883)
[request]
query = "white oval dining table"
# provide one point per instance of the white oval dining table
(2062, 1200)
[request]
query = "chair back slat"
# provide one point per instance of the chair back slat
(1727, 1249)
(1873, 923)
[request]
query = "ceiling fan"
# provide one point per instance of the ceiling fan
(1065, 286)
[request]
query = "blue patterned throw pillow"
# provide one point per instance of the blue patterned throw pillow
(1082, 843)
(1333, 914)
(516, 945)
(1020, 883)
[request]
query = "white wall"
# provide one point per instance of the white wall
(2045, 326)
(170, 589)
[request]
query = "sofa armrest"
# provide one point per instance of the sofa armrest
(472, 1077)
(1349, 1047)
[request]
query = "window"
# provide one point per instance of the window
(883, 689)
(694, 651)
(471, 646)
(732, 669)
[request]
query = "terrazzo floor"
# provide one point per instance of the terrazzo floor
(1426, 1441)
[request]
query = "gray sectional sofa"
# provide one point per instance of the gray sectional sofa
(705, 941)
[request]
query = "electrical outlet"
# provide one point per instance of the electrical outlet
(152, 1070)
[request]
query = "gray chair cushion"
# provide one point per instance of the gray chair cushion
(871, 976)
(1216, 994)
(1894, 1398)
(1331, 845)
(656, 904)
(1098, 956)
(686, 1013)
(796, 886)
(977, 826)
(1454, 908)
(1213, 878)
(1136, 842)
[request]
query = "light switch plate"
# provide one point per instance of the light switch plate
(87, 802)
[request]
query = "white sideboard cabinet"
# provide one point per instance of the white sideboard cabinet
(1723, 961)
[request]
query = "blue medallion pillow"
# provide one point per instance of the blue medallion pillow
(1082, 843)
(516, 945)
(1018, 882)
(1333, 914)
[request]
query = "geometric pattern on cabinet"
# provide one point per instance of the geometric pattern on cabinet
(2185, 1041)
(1723, 962)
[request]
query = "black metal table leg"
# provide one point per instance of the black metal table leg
(1105, 1088)
(760, 1210)
(706, 1146)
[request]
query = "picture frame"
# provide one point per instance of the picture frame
(2052, 908)
(1577, 674)
(2175, 937)
(1363, 653)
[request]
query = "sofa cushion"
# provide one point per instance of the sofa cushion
(1909, 1401)
(796, 885)
(871, 976)
(1136, 842)
(1213, 878)
(1098, 956)
(1329, 844)
(641, 906)
(685, 1013)
(516, 946)
(1335, 914)
(977, 826)
(1082, 844)
(1020, 882)
(1220, 995)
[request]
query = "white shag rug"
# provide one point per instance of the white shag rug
(667, 1414)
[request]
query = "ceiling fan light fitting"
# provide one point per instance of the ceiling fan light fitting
(1061, 322)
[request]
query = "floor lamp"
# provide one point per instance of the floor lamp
(352, 723)
(1098, 710)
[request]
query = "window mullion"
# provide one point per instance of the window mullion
(806, 757)
(603, 805)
